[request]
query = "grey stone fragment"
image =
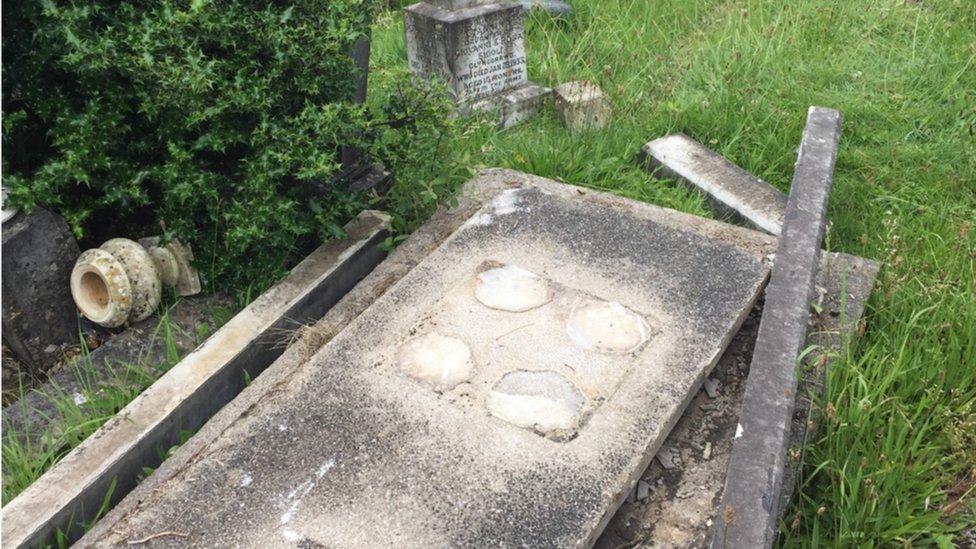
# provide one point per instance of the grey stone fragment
(730, 189)
(555, 8)
(513, 107)
(643, 490)
(39, 316)
(711, 387)
(666, 458)
(750, 504)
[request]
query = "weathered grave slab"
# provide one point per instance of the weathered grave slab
(730, 189)
(357, 447)
(750, 501)
(477, 48)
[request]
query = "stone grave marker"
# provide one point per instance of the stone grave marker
(477, 49)
(582, 106)
(39, 317)
(508, 390)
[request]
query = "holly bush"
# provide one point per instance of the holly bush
(214, 121)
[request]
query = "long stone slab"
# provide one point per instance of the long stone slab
(345, 449)
(730, 189)
(192, 391)
(750, 501)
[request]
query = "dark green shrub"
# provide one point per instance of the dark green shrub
(213, 121)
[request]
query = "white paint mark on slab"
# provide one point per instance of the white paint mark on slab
(607, 327)
(440, 361)
(297, 494)
(506, 203)
(545, 402)
(512, 288)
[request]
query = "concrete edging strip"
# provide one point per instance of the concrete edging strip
(193, 390)
(749, 510)
(730, 189)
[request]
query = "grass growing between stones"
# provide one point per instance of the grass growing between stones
(28, 454)
(895, 459)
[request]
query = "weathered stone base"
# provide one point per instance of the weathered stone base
(512, 107)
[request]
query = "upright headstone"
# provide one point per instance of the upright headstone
(477, 49)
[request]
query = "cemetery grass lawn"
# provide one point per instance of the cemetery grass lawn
(895, 458)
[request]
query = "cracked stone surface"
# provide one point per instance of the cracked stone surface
(544, 401)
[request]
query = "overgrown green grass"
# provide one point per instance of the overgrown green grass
(26, 456)
(895, 462)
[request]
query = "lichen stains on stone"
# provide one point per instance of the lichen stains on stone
(544, 401)
(511, 288)
(440, 361)
(607, 327)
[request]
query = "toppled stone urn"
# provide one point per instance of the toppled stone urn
(122, 280)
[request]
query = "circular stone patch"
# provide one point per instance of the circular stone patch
(440, 361)
(511, 288)
(607, 327)
(544, 401)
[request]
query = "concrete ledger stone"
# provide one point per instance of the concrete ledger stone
(344, 450)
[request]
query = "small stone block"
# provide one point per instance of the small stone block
(555, 8)
(39, 316)
(666, 458)
(582, 106)
(516, 106)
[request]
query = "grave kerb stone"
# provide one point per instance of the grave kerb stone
(749, 510)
